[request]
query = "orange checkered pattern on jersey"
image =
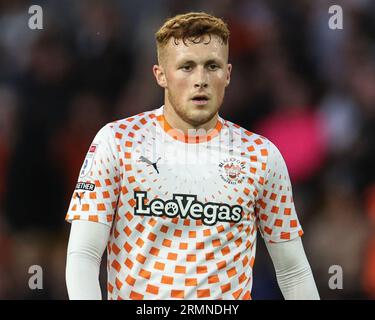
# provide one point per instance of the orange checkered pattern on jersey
(157, 257)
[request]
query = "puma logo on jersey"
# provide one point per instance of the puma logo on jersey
(80, 196)
(187, 205)
(154, 164)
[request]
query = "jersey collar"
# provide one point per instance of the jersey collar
(180, 136)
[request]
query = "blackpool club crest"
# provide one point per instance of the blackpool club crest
(231, 170)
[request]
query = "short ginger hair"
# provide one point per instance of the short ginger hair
(191, 26)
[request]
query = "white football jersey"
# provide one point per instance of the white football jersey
(184, 210)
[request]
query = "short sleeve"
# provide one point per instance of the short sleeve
(96, 193)
(276, 214)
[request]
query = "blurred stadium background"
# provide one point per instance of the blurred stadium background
(309, 89)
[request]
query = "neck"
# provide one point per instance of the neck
(176, 122)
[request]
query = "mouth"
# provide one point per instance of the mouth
(200, 99)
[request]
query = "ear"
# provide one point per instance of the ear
(229, 70)
(159, 74)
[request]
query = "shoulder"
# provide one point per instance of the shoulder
(133, 123)
(250, 141)
(253, 145)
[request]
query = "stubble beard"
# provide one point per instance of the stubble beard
(194, 118)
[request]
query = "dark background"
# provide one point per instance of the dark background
(309, 89)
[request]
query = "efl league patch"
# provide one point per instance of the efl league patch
(92, 148)
(89, 160)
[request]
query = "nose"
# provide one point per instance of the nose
(201, 80)
(201, 85)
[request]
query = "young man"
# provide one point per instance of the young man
(177, 194)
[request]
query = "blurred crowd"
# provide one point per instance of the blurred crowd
(309, 89)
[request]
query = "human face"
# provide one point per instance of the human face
(194, 76)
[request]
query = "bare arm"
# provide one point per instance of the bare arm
(87, 243)
(293, 271)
